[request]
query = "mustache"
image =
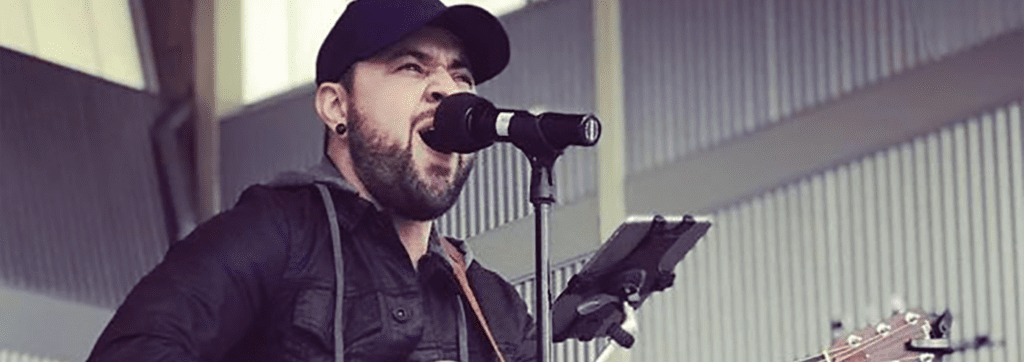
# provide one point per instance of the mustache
(423, 116)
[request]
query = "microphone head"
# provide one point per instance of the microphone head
(589, 131)
(454, 121)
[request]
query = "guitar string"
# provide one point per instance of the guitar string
(896, 337)
(848, 347)
(875, 340)
(838, 354)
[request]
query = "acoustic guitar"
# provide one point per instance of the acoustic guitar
(906, 336)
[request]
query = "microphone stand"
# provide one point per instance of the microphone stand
(542, 196)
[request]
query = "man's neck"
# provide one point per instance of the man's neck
(415, 236)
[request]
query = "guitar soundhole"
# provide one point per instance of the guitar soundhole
(883, 329)
(854, 340)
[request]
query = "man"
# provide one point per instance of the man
(260, 281)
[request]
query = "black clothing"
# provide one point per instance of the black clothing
(257, 283)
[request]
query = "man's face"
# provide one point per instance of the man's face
(393, 98)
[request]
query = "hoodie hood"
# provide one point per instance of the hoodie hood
(323, 172)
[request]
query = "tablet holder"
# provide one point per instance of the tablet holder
(634, 263)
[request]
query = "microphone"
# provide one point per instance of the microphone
(465, 123)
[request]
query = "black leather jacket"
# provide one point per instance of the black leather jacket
(256, 283)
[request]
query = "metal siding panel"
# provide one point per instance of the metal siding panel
(745, 241)
(749, 56)
(823, 268)
(1016, 197)
(702, 83)
(844, 247)
(737, 71)
(883, 260)
(914, 218)
(780, 36)
(796, 308)
(916, 207)
(869, 242)
(808, 89)
(784, 259)
(855, 234)
(695, 69)
(759, 341)
(817, 36)
(834, 44)
(999, 231)
(846, 46)
(726, 284)
(777, 266)
(884, 14)
(987, 246)
(933, 247)
(860, 36)
(912, 45)
(807, 261)
(871, 37)
(963, 228)
(949, 206)
(899, 28)
(719, 250)
(977, 233)
(662, 68)
(717, 50)
(894, 261)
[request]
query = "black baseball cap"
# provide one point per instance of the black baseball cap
(368, 26)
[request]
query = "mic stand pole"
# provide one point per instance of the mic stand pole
(542, 196)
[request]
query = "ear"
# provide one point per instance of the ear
(331, 104)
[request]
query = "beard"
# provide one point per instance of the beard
(389, 175)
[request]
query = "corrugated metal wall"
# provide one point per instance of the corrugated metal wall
(701, 72)
(935, 221)
(80, 205)
(552, 69)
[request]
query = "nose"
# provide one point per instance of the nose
(442, 84)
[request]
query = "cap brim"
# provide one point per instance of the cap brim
(483, 39)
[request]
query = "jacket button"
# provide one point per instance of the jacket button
(401, 315)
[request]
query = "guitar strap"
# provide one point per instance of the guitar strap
(460, 274)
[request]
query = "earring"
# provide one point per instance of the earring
(340, 128)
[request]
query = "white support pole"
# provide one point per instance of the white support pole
(218, 89)
(611, 148)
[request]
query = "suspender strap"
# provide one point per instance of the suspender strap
(339, 273)
(460, 274)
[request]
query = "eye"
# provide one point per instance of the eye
(465, 78)
(411, 67)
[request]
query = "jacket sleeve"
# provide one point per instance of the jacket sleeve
(199, 302)
(527, 350)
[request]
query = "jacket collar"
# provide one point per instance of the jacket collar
(327, 173)
(434, 246)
